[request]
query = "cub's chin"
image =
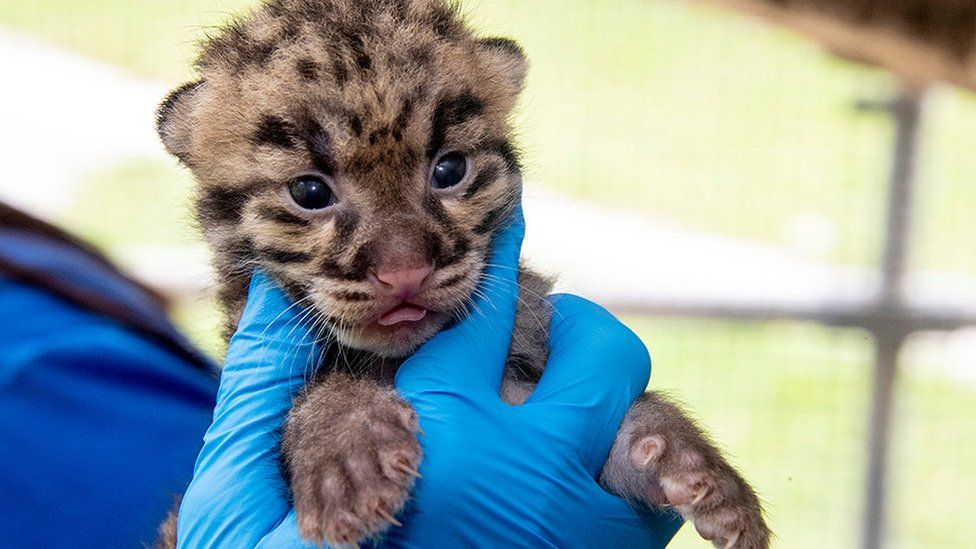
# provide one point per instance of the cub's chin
(396, 340)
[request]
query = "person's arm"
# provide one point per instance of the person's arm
(493, 474)
(99, 426)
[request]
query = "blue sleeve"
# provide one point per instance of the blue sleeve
(99, 427)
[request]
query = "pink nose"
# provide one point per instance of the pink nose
(403, 283)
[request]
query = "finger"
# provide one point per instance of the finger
(612, 522)
(237, 472)
(271, 351)
(285, 536)
(597, 368)
(470, 356)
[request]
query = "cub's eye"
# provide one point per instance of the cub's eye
(449, 170)
(311, 193)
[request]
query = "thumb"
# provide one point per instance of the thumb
(273, 348)
(613, 522)
(237, 470)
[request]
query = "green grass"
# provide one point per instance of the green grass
(713, 121)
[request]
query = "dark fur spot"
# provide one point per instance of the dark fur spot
(445, 22)
(345, 225)
(339, 71)
(284, 256)
(487, 175)
(449, 112)
(377, 134)
(319, 145)
(420, 56)
(283, 216)
(510, 155)
(331, 269)
(434, 207)
(460, 249)
(454, 280)
(308, 69)
(435, 246)
(356, 125)
(274, 131)
(443, 257)
(402, 119)
(314, 11)
(257, 53)
(353, 34)
(220, 205)
(505, 44)
(503, 148)
(362, 261)
(364, 61)
(242, 248)
(490, 221)
(352, 296)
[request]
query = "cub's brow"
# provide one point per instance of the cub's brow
(451, 111)
(303, 128)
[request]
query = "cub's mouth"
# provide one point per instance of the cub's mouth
(402, 313)
(396, 316)
(394, 332)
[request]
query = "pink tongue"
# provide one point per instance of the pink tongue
(402, 313)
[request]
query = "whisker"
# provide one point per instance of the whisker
(295, 304)
(526, 309)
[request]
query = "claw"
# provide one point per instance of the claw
(731, 543)
(386, 515)
(407, 469)
(700, 496)
(412, 472)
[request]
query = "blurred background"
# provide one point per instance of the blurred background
(704, 173)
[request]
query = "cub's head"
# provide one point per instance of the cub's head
(358, 151)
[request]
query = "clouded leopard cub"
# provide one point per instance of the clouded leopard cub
(360, 152)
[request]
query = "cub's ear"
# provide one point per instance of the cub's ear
(174, 120)
(508, 58)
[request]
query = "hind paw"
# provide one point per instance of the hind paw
(704, 489)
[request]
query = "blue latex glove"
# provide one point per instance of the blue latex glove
(493, 474)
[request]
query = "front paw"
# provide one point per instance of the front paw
(703, 488)
(351, 476)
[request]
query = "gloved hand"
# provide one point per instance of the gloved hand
(493, 474)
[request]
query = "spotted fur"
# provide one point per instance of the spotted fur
(366, 95)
